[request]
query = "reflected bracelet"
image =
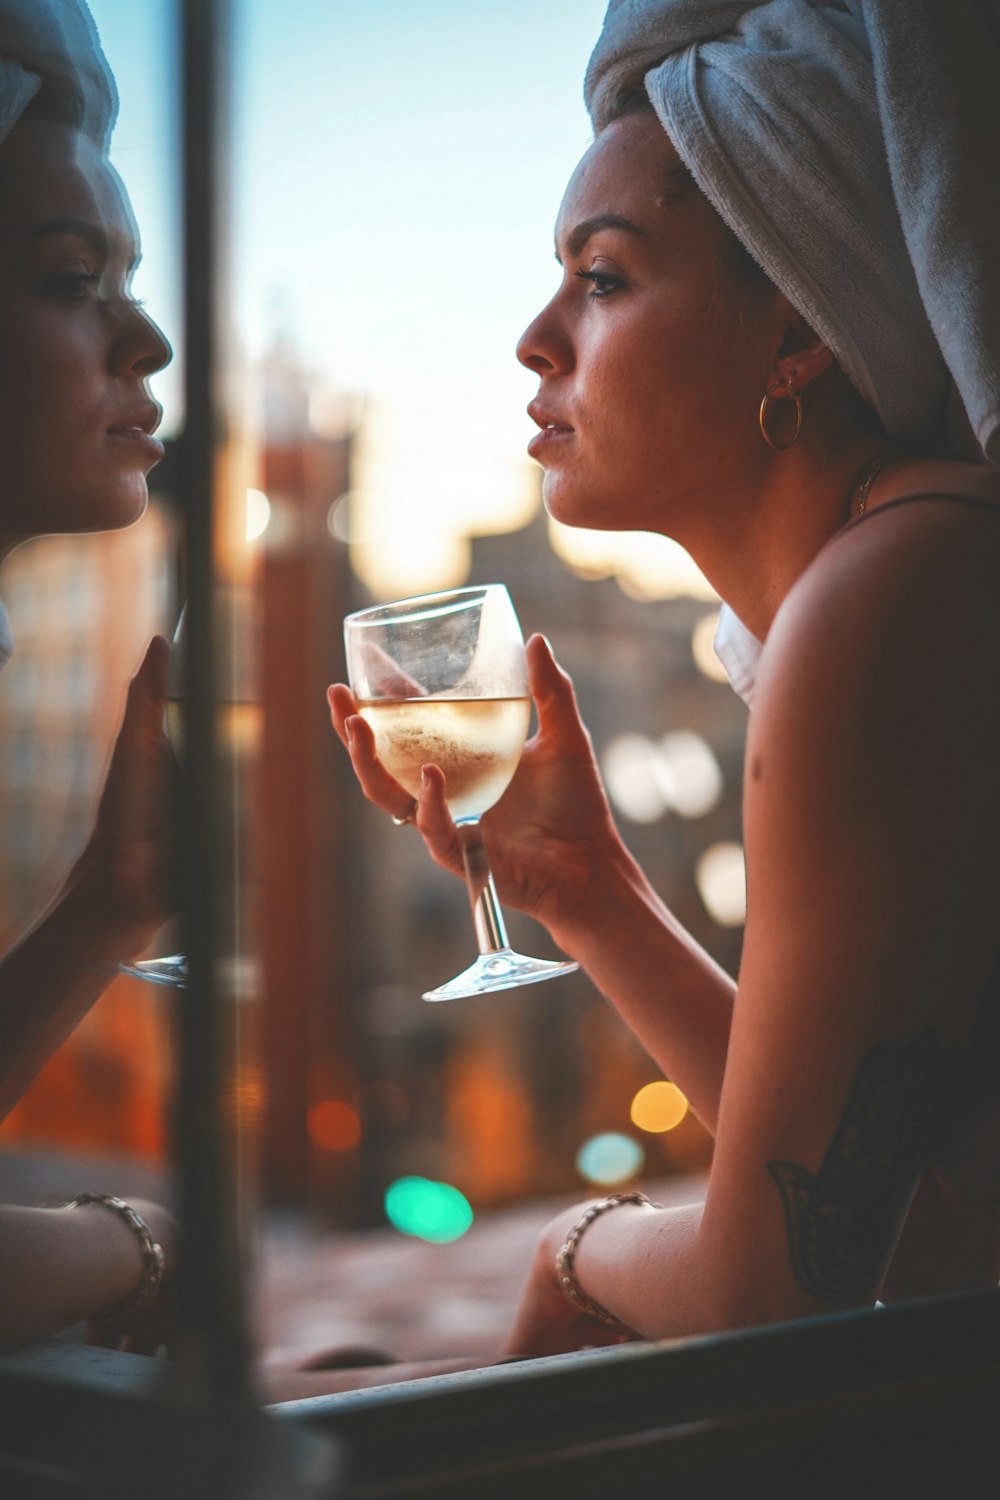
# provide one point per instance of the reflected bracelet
(565, 1273)
(152, 1253)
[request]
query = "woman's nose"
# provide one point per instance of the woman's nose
(541, 348)
(143, 346)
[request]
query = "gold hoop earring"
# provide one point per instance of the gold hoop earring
(793, 396)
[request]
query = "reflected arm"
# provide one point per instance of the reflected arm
(112, 904)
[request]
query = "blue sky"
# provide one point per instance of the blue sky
(398, 167)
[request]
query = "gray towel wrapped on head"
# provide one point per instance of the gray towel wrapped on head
(55, 41)
(852, 145)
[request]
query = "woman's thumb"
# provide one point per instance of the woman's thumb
(552, 690)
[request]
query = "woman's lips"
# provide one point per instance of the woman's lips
(135, 430)
(548, 439)
(138, 440)
(551, 431)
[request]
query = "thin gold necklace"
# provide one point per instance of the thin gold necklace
(863, 484)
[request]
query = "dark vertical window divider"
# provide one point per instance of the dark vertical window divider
(214, 1341)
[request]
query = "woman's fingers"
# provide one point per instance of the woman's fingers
(555, 699)
(429, 811)
(434, 820)
(151, 678)
(342, 706)
(143, 717)
(376, 783)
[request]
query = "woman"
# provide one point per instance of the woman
(786, 397)
(76, 444)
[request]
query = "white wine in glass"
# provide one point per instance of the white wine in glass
(442, 680)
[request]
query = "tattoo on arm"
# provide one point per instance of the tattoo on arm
(843, 1221)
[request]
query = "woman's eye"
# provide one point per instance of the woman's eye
(602, 284)
(75, 288)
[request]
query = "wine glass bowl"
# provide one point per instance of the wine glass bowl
(442, 680)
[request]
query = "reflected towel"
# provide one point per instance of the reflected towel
(852, 147)
(55, 41)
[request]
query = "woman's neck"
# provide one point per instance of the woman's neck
(755, 550)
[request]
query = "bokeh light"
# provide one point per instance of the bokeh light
(630, 773)
(414, 505)
(688, 773)
(433, 1211)
(609, 1158)
(658, 1107)
(721, 881)
(646, 566)
(258, 514)
(334, 1125)
(678, 774)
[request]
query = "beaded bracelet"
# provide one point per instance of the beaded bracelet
(571, 1288)
(152, 1253)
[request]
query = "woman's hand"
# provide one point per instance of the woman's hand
(547, 1322)
(551, 828)
(128, 861)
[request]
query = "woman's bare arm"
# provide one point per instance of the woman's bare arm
(60, 1266)
(872, 821)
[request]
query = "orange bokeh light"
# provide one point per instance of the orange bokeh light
(334, 1125)
(658, 1106)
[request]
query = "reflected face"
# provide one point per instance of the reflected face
(654, 352)
(76, 419)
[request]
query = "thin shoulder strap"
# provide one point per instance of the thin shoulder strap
(970, 488)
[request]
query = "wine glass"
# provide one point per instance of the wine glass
(442, 680)
(172, 968)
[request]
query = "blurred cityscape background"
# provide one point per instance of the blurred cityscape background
(396, 172)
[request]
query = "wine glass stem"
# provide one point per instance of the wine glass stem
(486, 914)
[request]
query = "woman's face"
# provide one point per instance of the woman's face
(655, 350)
(76, 419)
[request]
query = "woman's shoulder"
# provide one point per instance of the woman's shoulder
(898, 617)
(922, 564)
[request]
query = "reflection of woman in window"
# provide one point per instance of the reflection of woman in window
(76, 444)
(775, 332)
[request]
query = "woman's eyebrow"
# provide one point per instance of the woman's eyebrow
(94, 234)
(581, 233)
(82, 228)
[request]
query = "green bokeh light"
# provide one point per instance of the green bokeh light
(609, 1158)
(433, 1211)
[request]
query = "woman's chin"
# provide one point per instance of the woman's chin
(574, 509)
(83, 519)
(112, 512)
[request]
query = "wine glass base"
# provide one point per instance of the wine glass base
(503, 970)
(172, 970)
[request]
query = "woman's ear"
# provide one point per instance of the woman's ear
(802, 355)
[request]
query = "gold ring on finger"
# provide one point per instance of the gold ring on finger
(408, 818)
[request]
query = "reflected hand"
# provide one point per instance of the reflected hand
(129, 857)
(552, 827)
(152, 1327)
